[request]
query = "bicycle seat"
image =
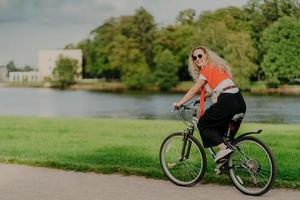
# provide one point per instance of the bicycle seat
(238, 117)
(234, 124)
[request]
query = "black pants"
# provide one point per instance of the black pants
(214, 123)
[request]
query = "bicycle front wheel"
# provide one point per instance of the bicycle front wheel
(184, 170)
(252, 166)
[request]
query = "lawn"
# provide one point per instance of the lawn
(125, 146)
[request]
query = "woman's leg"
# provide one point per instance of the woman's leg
(210, 136)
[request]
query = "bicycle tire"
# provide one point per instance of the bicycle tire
(267, 150)
(165, 169)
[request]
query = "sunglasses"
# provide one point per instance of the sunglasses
(198, 56)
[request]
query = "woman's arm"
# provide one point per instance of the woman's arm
(191, 93)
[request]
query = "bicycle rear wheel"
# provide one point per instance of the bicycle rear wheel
(252, 166)
(183, 171)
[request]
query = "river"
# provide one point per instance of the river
(82, 103)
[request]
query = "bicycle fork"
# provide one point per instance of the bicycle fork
(186, 148)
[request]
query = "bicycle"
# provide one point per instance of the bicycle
(251, 165)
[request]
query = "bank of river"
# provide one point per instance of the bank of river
(182, 87)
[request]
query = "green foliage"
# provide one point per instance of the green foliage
(106, 53)
(214, 36)
(259, 14)
(143, 30)
(135, 72)
(225, 32)
(233, 33)
(11, 67)
(235, 46)
(232, 17)
(186, 16)
(240, 52)
(88, 55)
(282, 44)
(27, 68)
(166, 70)
(100, 50)
(65, 71)
(179, 40)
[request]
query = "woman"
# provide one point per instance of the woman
(213, 77)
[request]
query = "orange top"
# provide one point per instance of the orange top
(213, 76)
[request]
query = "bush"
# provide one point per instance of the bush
(65, 71)
(282, 43)
(135, 72)
(165, 74)
(273, 84)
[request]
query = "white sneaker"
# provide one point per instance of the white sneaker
(222, 153)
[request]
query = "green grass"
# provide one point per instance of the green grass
(125, 146)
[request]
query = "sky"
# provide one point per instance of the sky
(27, 26)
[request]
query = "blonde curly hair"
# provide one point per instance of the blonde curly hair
(213, 59)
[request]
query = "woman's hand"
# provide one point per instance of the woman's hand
(191, 93)
(176, 106)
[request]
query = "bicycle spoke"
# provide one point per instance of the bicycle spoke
(189, 172)
(194, 172)
(261, 180)
(184, 171)
(250, 166)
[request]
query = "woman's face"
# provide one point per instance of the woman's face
(199, 57)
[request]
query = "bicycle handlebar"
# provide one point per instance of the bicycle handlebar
(187, 106)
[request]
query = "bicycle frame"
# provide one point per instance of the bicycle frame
(190, 130)
(239, 159)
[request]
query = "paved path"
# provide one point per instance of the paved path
(35, 183)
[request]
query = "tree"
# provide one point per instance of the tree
(214, 36)
(88, 57)
(120, 49)
(282, 44)
(143, 31)
(98, 49)
(165, 73)
(65, 71)
(232, 17)
(234, 46)
(11, 67)
(135, 72)
(186, 16)
(259, 14)
(240, 53)
(109, 48)
(27, 68)
(179, 40)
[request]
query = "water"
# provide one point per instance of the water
(49, 102)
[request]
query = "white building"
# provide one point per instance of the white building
(3, 74)
(48, 58)
(32, 76)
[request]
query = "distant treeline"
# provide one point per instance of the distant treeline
(260, 41)
(11, 67)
